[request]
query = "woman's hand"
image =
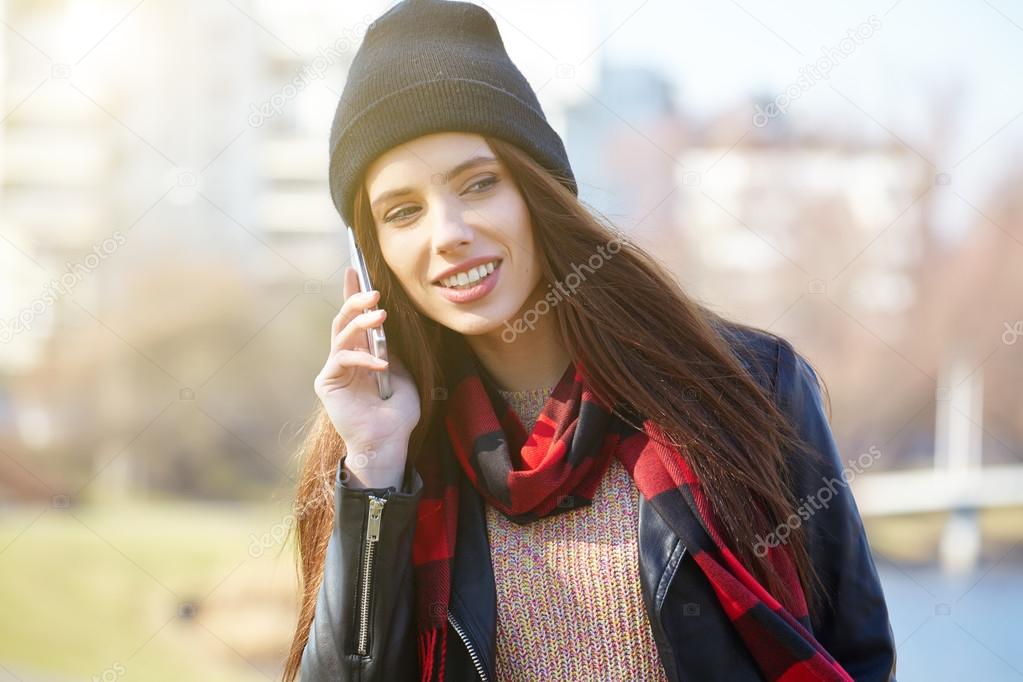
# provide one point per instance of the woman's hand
(375, 431)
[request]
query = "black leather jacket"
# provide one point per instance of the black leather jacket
(364, 626)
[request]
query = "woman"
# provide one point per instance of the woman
(582, 473)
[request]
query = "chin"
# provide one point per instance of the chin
(485, 320)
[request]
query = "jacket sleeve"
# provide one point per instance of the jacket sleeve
(854, 627)
(331, 652)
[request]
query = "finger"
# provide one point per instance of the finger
(355, 302)
(345, 361)
(351, 282)
(355, 330)
(354, 306)
(348, 287)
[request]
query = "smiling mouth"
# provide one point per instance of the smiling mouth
(469, 278)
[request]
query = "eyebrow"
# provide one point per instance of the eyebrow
(463, 166)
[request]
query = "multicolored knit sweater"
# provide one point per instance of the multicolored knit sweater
(569, 605)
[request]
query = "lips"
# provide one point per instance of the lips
(470, 277)
(473, 293)
(464, 267)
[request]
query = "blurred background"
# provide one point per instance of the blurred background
(846, 175)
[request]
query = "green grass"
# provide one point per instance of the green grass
(88, 590)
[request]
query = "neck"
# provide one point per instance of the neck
(523, 357)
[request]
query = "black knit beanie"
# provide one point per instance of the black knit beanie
(429, 66)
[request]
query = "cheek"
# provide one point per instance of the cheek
(388, 253)
(395, 260)
(405, 257)
(512, 217)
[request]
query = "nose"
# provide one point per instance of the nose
(449, 230)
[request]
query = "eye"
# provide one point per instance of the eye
(492, 180)
(398, 215)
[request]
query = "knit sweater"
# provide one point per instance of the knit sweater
(569, 605)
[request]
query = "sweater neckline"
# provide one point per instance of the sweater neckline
(543, 391)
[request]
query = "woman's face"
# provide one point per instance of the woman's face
(443, 204)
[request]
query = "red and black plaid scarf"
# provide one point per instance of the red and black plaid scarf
(557, 468)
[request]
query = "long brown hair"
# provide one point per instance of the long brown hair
(648, 346)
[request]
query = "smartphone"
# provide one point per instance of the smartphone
(375, 336)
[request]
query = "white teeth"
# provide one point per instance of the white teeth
(470, 276)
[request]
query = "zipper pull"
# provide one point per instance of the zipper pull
(376, 509)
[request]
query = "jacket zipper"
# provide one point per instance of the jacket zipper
(468, 645)
(376, 508)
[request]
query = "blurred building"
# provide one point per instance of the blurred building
(773, 218)
(745, 216)
(162, 176)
